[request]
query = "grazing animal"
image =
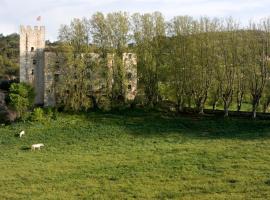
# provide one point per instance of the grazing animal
(21, 133)
(36, 146)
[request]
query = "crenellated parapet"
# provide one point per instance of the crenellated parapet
(29, 29)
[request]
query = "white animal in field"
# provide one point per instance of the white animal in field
(21, 133)
(36, 146)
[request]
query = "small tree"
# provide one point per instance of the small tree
(21, 98)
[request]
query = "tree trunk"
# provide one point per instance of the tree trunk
(239, 102)
(189, 102)
(266, 105)
(94, 100)
(214, 106)
(255, 103)
(201, 110)
(239, 107)
(254, 112)
(200, 106)
(180, 105)
(226, 109)
(150, 103)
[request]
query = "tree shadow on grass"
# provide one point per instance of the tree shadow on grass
(148, 124)
(25, 148)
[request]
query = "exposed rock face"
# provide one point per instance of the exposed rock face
(2, 100)
(6, 115)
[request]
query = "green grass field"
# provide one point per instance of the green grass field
(136, 155)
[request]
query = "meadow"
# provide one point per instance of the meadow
(136, 155)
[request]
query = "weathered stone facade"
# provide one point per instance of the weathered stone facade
(37, 67)
(32, 45)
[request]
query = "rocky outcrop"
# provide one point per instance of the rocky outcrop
(6, 114)
(2, 99)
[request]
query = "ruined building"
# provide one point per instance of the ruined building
(37, 64)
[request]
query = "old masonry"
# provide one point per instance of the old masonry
(37, 64)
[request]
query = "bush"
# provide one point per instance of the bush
(43, 115)
(51, 113)
(104, 103)
(38, 115)
(21, 98)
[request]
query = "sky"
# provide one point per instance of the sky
(14, 13)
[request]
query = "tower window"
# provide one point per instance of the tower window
(129, 87)
(57, 66)
(32, 49)
(34, 62)
(130, 56)
(129, 75)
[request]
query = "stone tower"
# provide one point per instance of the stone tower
(130, 83)
(32, 45)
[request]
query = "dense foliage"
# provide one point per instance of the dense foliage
(9, 56)
(21, 98)
(195, 63)
(192, 62)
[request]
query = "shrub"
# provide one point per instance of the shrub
(21, 98)
(51, 113)
(104, 103)
(38, 115)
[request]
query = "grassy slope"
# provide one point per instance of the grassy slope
(144, 156)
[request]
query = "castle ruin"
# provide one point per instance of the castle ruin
(37, 67)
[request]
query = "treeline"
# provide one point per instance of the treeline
(192, 62)
(9, 56)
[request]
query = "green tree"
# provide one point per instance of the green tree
(73, 85)
(21, 98)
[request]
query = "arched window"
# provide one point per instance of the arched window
(32, 49)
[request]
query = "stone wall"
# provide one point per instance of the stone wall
(50, 64)
(101, 77)
(130, 83)
(32, 44)
(38, 67)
